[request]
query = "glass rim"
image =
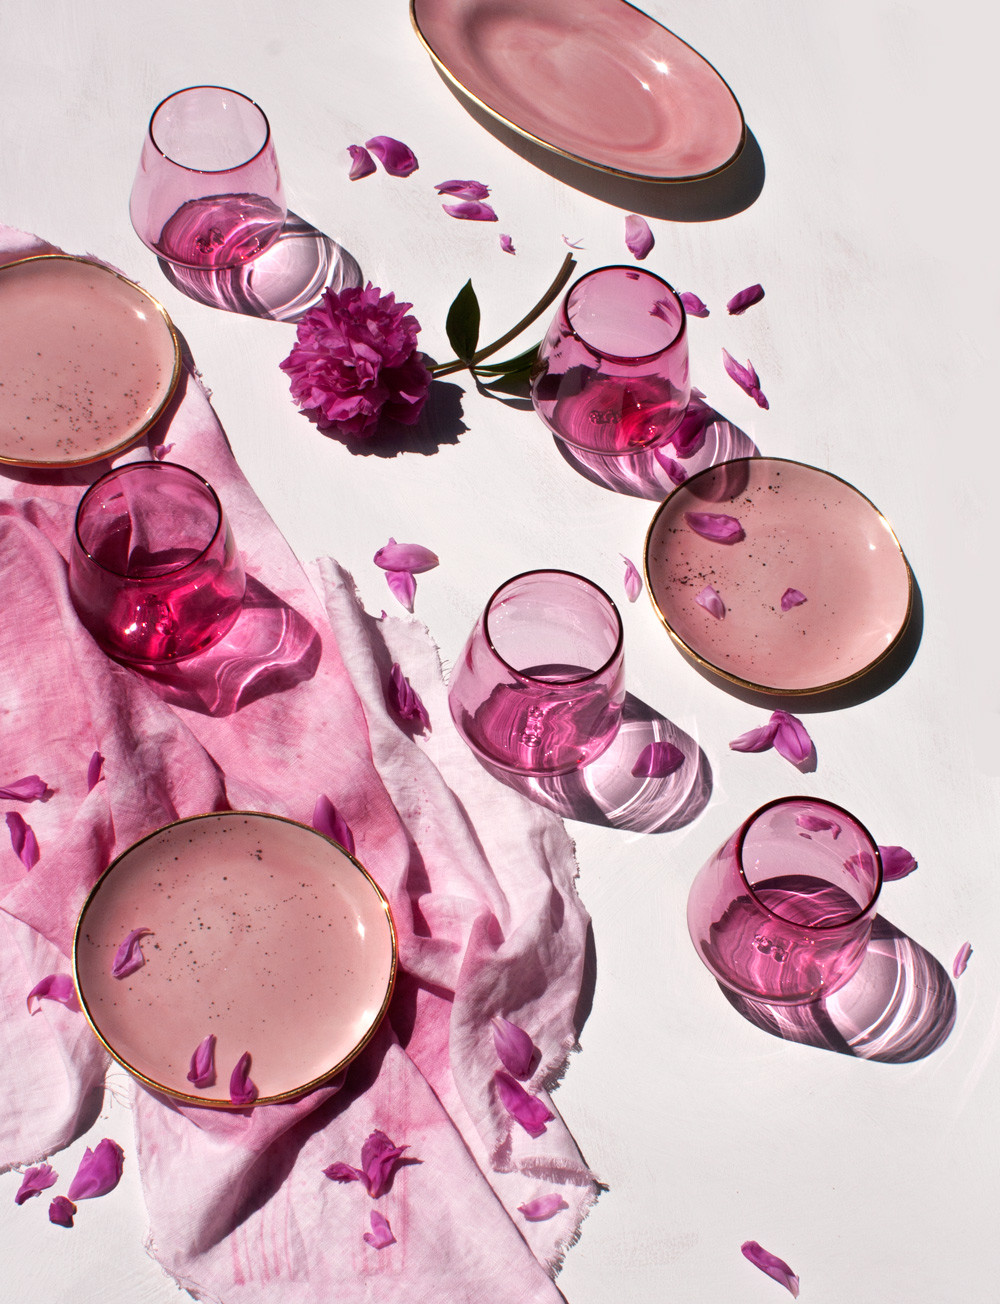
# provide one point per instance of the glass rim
(547, 683)
(859, 914)
(614, 357)
(171, 572)
(209, 172)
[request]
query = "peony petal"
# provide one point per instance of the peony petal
(690, 434)
(657, 760)
(397, 159)
(404, 700)
(242, 1089)
(100, 1171)
(757, 740)
(23, 840)
(379, 1157)
(573, 244)
(514, 1047)
(817, 824)
(340, 1172)
(463, 189)
(638, 237)
(61, 1211)
(326, 819)
(792, 739)
(896, 863)
(381, 1233)
(710, 599)
(95, 771)
(35, 1181)
(745, 377)
(529, 1111)
(792, 598)
(403, 587)
(413, 557)
(693, 306)
(54, 987)
(160, 451)
(961, 960)
(362, 163)
(544, 1206)
(674, 470)
(507, 244)
(715, 526)
(202, 1070)
(633, 580)
(30, 788)
(745, 299)
(129, 956)
(772, 1265)
(470, 210)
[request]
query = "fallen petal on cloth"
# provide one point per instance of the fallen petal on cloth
(61, 1211)
(94, 769)
(100, 1171)
(515, 1049)
(542, 1208)
(772, 1265)
(54, 987)
(379, 1157)
(528, 1110)
(381, 1233)
(404, 699)
(327, 819)
(30, 788)
(129, 956)
(23, 840)
(35, 1181)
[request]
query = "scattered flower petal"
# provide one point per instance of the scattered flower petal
(470, 210)
(412, 557)
(381, 1233)
(30, 788)
(159, 452)
(817, 824)
(745, 299)
(633, 580)
(710, 599)
(715, 526)
(404, 699)
(514, 1047)
(507, 244)
(397, 159)
(202, 1070)
(690, 434)
(745, 377)
(100, 1171)
(693, 306)
(242, 1088)
(657, 760)
(573, 244)
(95, 771)
(638, 237)
(23, 840)
(129, 956)
(403, 587)
(54, 987)
(379, 1157)
(792, 739)
(362, 163)
(961, 960)
(544, 1206)
(757, 740)
(792, 598)
(896, 863)
(326, 819)
(772, 1265)
(463, 189)
(675, 472)
(529, 1111)
(35, 1181)
(61, 1211)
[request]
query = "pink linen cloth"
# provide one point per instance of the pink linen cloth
(481, 885)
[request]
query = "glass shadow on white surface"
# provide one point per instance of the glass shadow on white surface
(899, 1007)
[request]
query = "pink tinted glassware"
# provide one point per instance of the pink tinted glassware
(154, 571)
(783, 911)
(208, 192)
(540, 685)
(612, 374)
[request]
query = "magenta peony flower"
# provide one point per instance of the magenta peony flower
(355, 358)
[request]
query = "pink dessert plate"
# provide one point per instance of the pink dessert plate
(602, 83)
(262, 932)
(88, 361)
(803, 530)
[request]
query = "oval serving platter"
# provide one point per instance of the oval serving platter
(262, 932)
(603, 84)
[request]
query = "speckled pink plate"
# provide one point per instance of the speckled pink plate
(263, 932)
(602, 83)
(88, 361)
(805, 529)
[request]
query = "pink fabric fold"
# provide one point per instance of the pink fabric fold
(481, 883)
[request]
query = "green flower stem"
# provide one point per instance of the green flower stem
(565, 272)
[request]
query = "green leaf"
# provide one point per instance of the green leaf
(522, 362)
(462, 323)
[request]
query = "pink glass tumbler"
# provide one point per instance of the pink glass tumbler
(540, 685)
(783, 911)
(154, 572)
(612, 373)
(208, 192)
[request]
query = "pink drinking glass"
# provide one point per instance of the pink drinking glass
(153, 571)
(612, 373)
(783, 911)
(208, 192)
(540, 685)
